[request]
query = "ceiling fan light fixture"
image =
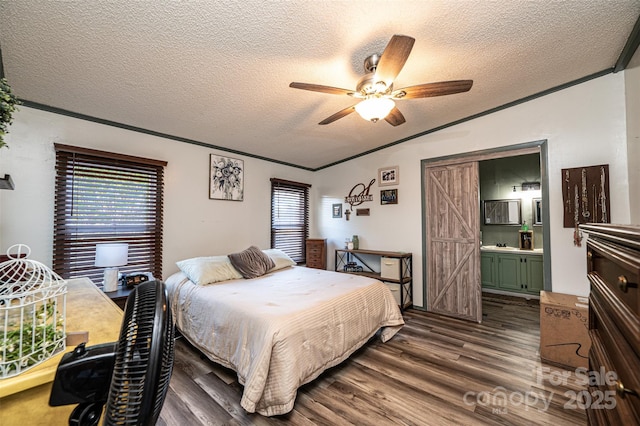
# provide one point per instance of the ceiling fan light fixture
(375, 108)
(375, 88)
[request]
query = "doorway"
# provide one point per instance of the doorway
(451, 229)
(511, 231)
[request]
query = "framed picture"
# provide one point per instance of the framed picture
(537, 211)
(337, 210)
(389, 176)
(226, 178)
(389, 196)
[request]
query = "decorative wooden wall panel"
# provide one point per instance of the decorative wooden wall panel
(585, 194)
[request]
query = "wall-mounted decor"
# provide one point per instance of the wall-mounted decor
(362, 212)
(585, 195)
(226, 178)
(389, 176)
(337, 210)
(359, 194)
(536, 205)
(389, 196)
(6, 182)
(502, 212)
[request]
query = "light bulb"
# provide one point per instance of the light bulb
(375, 108)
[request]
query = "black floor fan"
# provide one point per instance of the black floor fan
(131, 376)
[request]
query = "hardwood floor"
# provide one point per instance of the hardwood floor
(435, 371)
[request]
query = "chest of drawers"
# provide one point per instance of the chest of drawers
(316, 253)
(613, 269)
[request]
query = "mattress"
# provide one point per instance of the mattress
(283, 329)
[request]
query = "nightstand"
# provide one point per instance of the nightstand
(119, 296)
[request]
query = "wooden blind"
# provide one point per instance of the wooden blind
(104, 197)
(290, 217)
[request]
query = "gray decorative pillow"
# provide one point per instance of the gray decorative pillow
(252, 262)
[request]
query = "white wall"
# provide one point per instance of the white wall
(584, 125)
(194, 225)
(632, 87)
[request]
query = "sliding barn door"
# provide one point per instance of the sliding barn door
(452, 240)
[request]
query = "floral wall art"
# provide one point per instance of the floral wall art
(226, 178)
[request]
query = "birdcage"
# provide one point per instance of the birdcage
(32, 312)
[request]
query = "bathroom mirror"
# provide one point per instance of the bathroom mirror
(502, 212)
(537, 211)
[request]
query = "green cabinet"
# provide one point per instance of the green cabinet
(535, 274)
(509, 274)
(488, 270)
(514, 272)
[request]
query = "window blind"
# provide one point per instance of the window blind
(290, 217)
(104, 197)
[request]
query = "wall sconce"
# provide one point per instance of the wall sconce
(110, 256)
(530, 186)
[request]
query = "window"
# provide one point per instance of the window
(290, 217)
(104, 197)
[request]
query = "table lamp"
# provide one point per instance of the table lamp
(110, 256)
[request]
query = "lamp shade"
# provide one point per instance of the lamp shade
(112, 254)
(375, 108)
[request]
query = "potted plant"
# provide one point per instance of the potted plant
(8, 105)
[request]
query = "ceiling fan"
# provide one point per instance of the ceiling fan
(376, 87)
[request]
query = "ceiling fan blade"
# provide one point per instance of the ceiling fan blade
(393, 58)
(322, 89)
(338, 115)
(395, 117)
(432, 89)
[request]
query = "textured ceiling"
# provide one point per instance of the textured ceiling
(217, 72)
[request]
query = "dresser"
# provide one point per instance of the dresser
(613, 268)
(316, 253)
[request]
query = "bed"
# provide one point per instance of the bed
(282, 329)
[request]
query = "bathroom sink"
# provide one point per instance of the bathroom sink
(496, 248)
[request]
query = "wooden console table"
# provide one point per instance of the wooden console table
(24, 399)
(400, 272)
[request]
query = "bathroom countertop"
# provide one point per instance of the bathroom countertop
(515, 250)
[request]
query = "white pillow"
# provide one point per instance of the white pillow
(208, 270)
(280, 258)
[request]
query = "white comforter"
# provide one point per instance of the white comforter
(283, 329)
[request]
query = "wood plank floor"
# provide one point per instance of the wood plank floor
(435, 371)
